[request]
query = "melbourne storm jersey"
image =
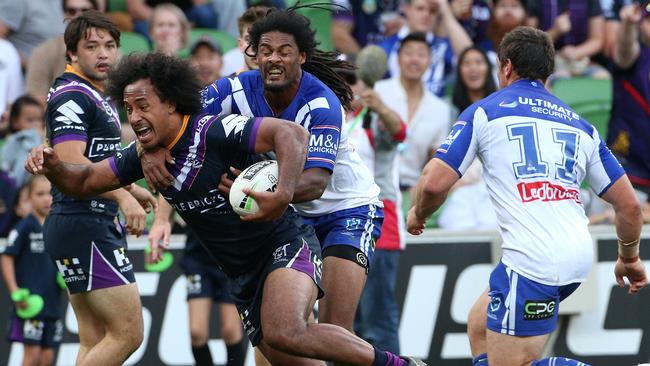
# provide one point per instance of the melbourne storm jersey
(76, 111)
(535, 151)
(205, 149)
(316, 108)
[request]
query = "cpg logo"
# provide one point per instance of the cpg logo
(539, 309)
(352, 224)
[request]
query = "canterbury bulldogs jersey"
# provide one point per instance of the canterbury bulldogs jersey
(76, 111)
(317, 109)
(535, 151)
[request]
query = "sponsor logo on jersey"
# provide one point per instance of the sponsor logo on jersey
(546, 192)
(194, 284)
(102, 146)
(122, 260)
(505, 104)
(325, 143)
(70, 269)
(538, 309)
(214, 200)
(549, 108)
(70, 112)
(453, 135)
(36, 244)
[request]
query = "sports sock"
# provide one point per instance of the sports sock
(235, 353)
(558, 361)
(383, 358)
(202, 355)
(480, 360)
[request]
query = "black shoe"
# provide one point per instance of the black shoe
(412, 361)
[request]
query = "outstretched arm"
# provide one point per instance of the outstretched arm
(75, 180)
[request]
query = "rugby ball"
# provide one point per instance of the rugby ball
(259, 177)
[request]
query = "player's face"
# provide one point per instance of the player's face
(242, 43)
(148, 115)
(414, 59)
(40, 197)
(96, 52)
(474, 70)
(207, 64)
(279, 60)
(420, 15)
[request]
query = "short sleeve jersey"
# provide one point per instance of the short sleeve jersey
(207, 147)
(535, 151)
(76, 111)
(317, 109)
(34, 267)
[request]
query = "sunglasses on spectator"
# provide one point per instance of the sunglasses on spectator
(75, 11)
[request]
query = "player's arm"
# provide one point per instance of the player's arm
(74, 180)
(160, 231)
(430, 193)
(628, 220)
(289, 142)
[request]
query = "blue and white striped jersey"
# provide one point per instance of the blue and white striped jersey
(316, 108)
(536, 151)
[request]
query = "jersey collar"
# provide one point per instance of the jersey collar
(186, 119)
(71, 69)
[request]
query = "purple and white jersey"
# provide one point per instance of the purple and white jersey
(316, 108)
(536, 151)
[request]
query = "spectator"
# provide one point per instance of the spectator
(199, 12)
(206, 58)
(474, 79)
(474, 16)
(27, 23)
(611, 8)
(228, 12)
(359, 23)
(407, 95)
(508, 14)
(26, 126)
(577, 29)
(11, 78)
(629, 126)
(376, 139)
(449, 39)
(48, 61)
(237, 59)
(169, 29)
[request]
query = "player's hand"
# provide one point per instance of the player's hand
(630, 14)
(154, 168)
(136, 217)
(414, 225)
(158, 240)
(272, 205)
(41, 160)
(225, 183)
(635, 273)
(146, 199)
(563, 23)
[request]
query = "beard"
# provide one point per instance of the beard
(278, 87)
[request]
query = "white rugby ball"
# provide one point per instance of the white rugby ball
(259, 177)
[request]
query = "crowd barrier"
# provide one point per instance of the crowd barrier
(440, 276)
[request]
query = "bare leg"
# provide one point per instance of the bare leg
(288, 300)
(119, 310)
(31, 355)
(199, 315)
(231, 329)
(91, 329)
(260, 360)
(507, 350)
(47, 357)
(477, 325)
(343, 282)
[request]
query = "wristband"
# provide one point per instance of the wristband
(629, 250)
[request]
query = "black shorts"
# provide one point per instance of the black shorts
(89, 251)
(204, 280)
(301, 254)
(43, 332)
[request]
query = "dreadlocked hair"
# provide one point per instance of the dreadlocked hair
(321, 64)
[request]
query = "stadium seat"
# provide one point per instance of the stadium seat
(321, 21)
(117, 5)
(590, 98)
(226, 41)
(133, 42)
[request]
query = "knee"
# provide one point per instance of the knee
(199, 336)
(476, 325)
(283, 338)
(231, 332)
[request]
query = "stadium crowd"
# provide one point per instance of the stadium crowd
(440, 57)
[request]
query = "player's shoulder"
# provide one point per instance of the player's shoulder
(67, 88)
(312, 89)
